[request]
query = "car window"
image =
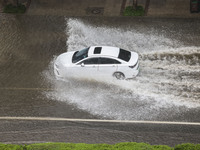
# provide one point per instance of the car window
(97, 50)
(89, 61)
(109, 61)
(124, 55)
(79, 55)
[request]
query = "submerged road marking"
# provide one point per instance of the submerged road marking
(97, 120)
(27, 89)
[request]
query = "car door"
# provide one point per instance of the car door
(107, 66)
(87, 68)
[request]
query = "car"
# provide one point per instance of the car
(194, 6)
(97, 61)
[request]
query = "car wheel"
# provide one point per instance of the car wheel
(119, 75)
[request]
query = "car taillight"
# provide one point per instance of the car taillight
(133, 65)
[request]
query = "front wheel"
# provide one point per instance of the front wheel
(119, 75)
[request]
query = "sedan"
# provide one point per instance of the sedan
(97, 61)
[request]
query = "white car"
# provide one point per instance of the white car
(97, 61)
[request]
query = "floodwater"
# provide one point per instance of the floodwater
(167, 87)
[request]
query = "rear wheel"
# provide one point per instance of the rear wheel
(119, 75)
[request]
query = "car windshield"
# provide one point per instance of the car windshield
(79, 55)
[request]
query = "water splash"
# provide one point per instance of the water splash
(83, 35)
(168, 83)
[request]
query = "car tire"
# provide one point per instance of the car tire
(119, 75)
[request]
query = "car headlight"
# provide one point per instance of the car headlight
(57, 66)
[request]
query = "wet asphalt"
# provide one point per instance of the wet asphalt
(27, 132)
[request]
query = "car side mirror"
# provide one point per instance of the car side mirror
(82, 65)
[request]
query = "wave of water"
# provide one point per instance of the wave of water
(82, 35)
(168, 83)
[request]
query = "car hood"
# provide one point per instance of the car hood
(65, 58)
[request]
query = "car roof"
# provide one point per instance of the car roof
(103, 51)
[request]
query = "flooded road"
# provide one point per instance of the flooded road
(167, 88)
